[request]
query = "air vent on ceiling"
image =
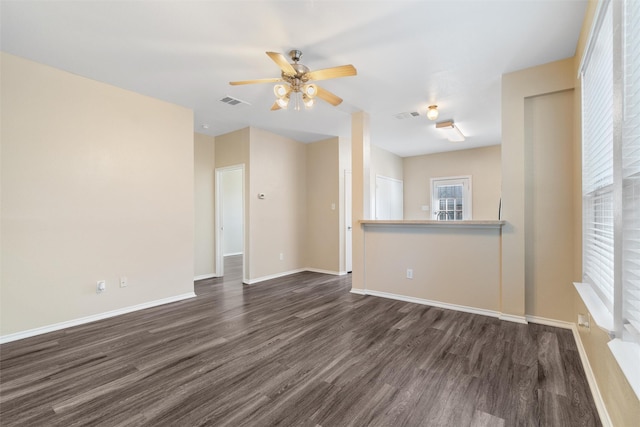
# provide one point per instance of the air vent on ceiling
(407, 115)
(233, 101)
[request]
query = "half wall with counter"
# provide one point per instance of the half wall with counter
(451, 264)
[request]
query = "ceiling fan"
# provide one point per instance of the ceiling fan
(298, 78)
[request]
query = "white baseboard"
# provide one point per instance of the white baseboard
(334, 273)
(513, 318)
(549, 322)
(81, 321)
(591, 379)
(358, 291)
(439, 304)
(273, 276)
(204, 276)
(299, 270)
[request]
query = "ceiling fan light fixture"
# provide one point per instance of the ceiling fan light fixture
(310, 90)
(432, 112)
(451, 130)
(308, 101)
(283, 102)
(280, 91)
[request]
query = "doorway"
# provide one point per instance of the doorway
(229, 218)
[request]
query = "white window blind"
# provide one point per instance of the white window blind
(631, 171)
(597, 171)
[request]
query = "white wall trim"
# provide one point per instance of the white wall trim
(439, 304)
(591, 379)
(456, 307)
(273, 276)
(549, 322)
(513, 318)
(233, 253)
(204, 276)
(81, 321)
(287, 273)
(334, 273)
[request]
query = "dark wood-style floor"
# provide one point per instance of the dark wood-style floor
(299, 351)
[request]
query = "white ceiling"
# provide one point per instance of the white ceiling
(408, 54)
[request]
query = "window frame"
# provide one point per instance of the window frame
(467, 196)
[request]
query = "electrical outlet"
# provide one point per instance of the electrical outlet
(584, 320)
(101, 286)
(123, 282)
(409, 273)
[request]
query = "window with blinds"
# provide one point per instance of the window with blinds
(611, 164)
(597, 163)
(610, 75)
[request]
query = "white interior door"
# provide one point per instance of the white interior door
(389, 198)
(348, 221)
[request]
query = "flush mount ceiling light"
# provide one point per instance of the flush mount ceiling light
(432, 112)
(451, 130)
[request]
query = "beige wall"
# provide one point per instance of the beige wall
(619, 398)
(232, 149)
(204, 178)
(323, 206)
(278, 222)
(483, 164)
(361, 194)
(549, 207)
(383, 163)
(97, 183)
(437, 276)
(296, 217)
(386, 164)
(517, 87)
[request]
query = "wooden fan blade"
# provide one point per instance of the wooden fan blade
(250, 82)
(328, 96)
(282, 62)
(275, 106)
(332, 73)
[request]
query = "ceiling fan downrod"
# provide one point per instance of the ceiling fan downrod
(295, 55)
